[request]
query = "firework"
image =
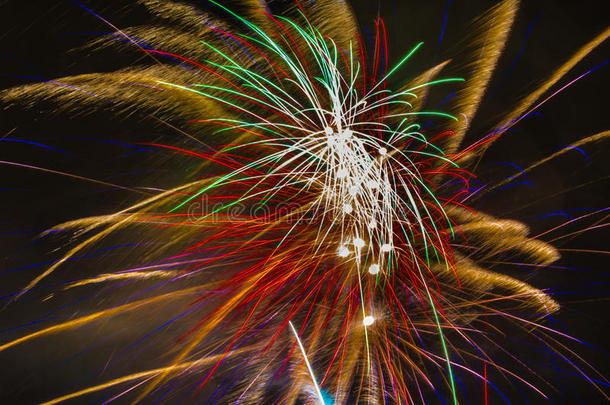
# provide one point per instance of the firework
(325, 248)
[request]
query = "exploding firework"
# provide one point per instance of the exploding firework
(325, 246)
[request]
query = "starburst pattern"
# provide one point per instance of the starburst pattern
(336, 256)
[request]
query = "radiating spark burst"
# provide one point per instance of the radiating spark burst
(384, 268)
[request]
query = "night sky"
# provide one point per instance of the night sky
(37, 41)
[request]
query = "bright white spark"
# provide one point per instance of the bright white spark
(345, 135)
(359, 243)
(374, 269)
(368, 320)
(372, 184)
(341, 173)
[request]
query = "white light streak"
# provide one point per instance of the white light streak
(313, 377)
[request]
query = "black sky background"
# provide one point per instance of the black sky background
(35, 42)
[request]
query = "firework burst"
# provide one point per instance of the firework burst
(326, 248)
